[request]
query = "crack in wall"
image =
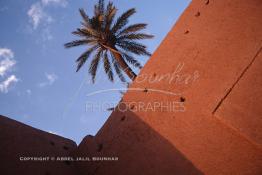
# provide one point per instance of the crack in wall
(236, 82)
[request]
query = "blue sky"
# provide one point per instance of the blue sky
(38, 82)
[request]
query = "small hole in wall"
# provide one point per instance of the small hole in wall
(52, 143)
(145, 90)
(154, 75)
(123, 118)
(197, 14)
(100, 147)
(182, 99)
(132, 107)
(206, 2)
(65, 148)
(186, 32)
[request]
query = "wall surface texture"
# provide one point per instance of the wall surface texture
(214, 53)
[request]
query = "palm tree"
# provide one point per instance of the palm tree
(110, 40)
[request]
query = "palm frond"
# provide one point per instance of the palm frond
(90, 32)
(131, 43)
(101, 7)
(79, 33)
(108, 68)
(110, 14)
(78, 43)
(133, 47)
(132, 28)
(94, 64)
(130, 59)
(99, 18)
(117, 68)
(82, 32)
(96, 24)
(84, 15)
(123, 20)
(96, 11)
(135, 36)
(82, 59)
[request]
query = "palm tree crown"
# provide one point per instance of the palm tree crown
(110, 40)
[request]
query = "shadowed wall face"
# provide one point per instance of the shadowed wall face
(140, 150)
(19, 142)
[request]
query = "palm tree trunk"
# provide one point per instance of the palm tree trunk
(132, 75)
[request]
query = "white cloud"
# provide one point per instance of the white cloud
(62, 3)
(5, 85)
(51, 78)
(37, 15)
(6, 53)
(37, 12)
(6, 64)
(6, 61)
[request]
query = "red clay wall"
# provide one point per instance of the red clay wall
(19, 140)
(220, 130)
(219, 133)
